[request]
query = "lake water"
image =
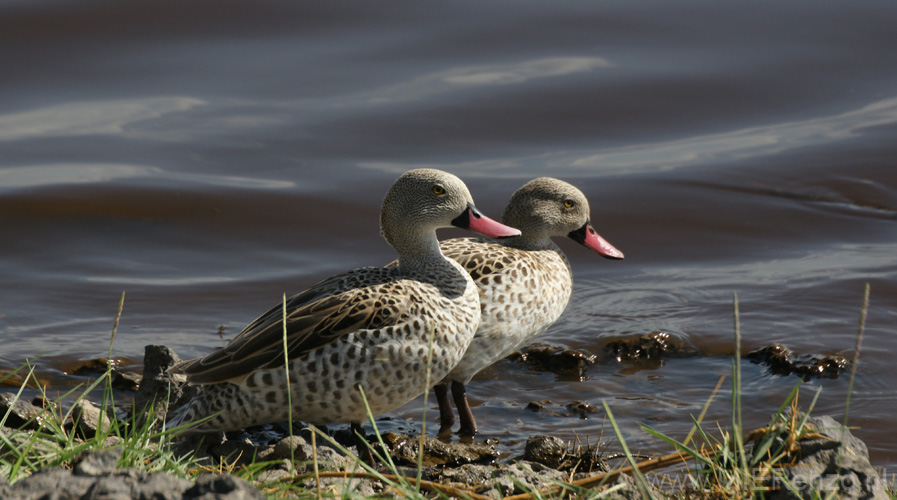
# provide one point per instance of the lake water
(207, 157)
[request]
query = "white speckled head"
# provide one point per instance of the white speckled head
(423, 200)
(547, 207)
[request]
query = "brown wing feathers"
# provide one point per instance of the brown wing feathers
(309, 326)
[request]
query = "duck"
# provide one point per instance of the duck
(371, 328)
(524, 282)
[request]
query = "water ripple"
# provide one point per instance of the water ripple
(95, 173)
(112, 117)
(741, 144)
(721, 148)
(488, 75)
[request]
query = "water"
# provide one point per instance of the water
(206, 158)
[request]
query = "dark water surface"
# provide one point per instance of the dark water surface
(207, 157)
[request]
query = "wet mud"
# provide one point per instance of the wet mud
(783, 361)
(648, 351)
(479, 467)
(557, 359)
(651, 350)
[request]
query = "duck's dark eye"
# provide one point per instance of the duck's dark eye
(438, 189)
(569, 203)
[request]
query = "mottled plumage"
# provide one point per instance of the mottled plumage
(524, 282)
(369, 327)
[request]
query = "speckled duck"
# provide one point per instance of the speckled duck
(524, 282)
(369, 327)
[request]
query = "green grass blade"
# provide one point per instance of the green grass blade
(286, 373)
(682, 447)
(856, 355)
(644, 488)
(704, 410)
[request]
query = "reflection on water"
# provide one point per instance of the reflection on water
(717, 149)
(113, 117)
(737, 145)
(73, 173)
(93, 174)
(170, 282)
(488, 75)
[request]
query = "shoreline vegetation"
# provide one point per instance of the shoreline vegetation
(73, 448)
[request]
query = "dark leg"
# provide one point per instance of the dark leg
(468, 424)
(364, 452)
(446, 415)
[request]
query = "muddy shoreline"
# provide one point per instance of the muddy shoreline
(471, 466)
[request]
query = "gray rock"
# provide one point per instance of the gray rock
(469, 474)
(330, 459)
(96, 477)
(89, 419)
(158, 389)
(285, 469)
(222, 487)
(19, 414)
(626, 488)
(527, 476)
(128, 484)
(405, 450)
(99, 463)
(354, 487)
(503, 479)
(837, 465)
(290, 447)
(49, 483)
(548, 450)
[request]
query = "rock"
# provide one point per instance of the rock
(41, 401)
(838, 464)
(468, 474)
(222, 487)
(547, 450)
(96, 477)
(328, 459)
(355, 487)
(526, 476)
(99, 463)
(89, 419)
(295, 448)
(405, 450)
(19, 414)
(503, 479)
(583, 409)
(158, 389)
(567, 457)
(125, 381)
(783, 361)
(626, 488)
(96, 366)
(275, 474)
(579, 409)
(53, 483)
(538, 405)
